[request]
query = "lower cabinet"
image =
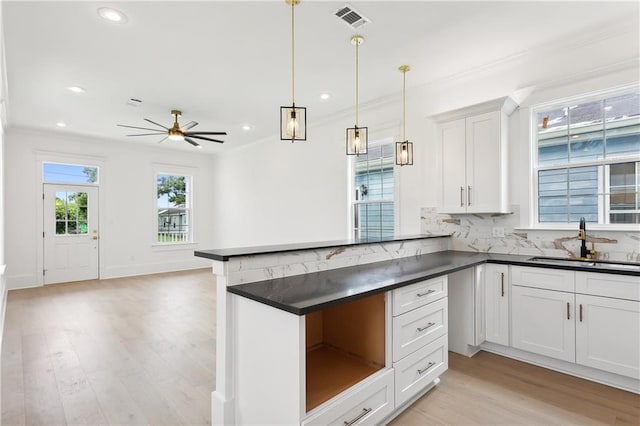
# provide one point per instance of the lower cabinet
(543, 322)
(608, 334)
(599, 329)
(497, 294)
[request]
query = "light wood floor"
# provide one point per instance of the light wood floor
(141, 350)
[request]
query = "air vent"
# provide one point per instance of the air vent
(351, 17)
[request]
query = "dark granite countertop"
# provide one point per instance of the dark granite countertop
(303, 294)
(226, 254)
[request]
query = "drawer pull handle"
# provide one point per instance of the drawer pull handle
(364, 412)
(426, 293)
(431, 364)
(431, 324)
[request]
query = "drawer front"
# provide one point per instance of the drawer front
(419, 294)
(416, 371)
(419, 327)
(364, 404)
(608, 285)
(546, 278)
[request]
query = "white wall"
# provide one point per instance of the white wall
(3, 285)
(127, 192)
(277, 192)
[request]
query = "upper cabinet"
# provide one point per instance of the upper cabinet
(473, 145)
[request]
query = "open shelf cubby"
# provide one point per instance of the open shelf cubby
(345, 344)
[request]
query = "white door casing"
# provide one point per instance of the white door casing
(71, 234)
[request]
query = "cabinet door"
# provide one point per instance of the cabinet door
(608, 334)
(484, 186)
(543, 322)
(497, 303)
(452, 143)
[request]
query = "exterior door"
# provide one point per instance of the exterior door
(70, 233)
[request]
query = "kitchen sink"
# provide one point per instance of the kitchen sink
(621, 266)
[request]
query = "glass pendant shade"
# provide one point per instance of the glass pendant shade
(293, 123)
(404, 153)
(357, 140)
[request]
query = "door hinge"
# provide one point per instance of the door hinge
(43, 272)
(43, 235)
(43, 195)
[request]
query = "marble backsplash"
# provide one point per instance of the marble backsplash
(474, 232)
(244, 269)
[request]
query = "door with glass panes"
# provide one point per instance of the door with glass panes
(70, 233)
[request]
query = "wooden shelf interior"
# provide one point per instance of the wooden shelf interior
(345, 344)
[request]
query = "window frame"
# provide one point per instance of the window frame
(535, 168)
(188, 173)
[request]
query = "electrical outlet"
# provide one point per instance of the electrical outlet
(498, 231)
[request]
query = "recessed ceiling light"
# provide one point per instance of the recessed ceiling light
(608, 108)
(247, 127)
(112, 15)
(76, 89)
(325, 96)
(61, 124)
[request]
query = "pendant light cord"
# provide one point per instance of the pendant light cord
(293, 71)
(357, 45)
(404, 82)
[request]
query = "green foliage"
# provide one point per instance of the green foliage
(174, 187)
(91, 173)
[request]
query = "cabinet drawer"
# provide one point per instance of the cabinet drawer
(550, 279)
(419, 327)
(419, 294)
(416, 371)
(608, 285)
(364, 404)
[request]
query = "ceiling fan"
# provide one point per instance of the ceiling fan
(177, 132)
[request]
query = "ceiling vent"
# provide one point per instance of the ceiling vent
(351, 17)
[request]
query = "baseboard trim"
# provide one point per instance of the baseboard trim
(153, 268)
(3, 306)
(587, 373)
(18, 282)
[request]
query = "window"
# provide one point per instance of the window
(69, 173)
(71, 213)
(588, 160)
(374, 215)
(173, 208)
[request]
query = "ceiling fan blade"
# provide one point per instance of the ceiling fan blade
(188, 126)
(203, 138)
(153, 122)
(149, 134)
(205, 133)
(163, 139)
(134, 127)
(192, 142)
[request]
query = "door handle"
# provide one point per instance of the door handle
(468, 195)
(95, 237)
(581, 312)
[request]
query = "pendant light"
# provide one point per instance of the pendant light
(293, 119)
(404, 149)
(357, 137)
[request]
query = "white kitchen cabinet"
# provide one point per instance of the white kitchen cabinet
(608, 334)
(497, 303)
(543, 322)
(473, 146)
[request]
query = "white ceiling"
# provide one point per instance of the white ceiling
(227, 63)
